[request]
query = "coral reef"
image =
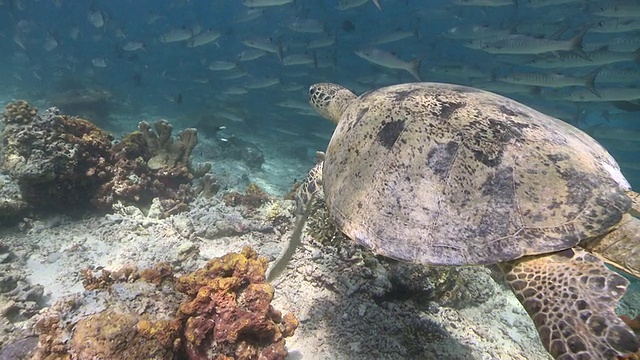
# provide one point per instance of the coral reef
(61, 161)
(254, 197)
(242, 151)
(19, 299)
(222, 311)
(148, 164)
(229, 314)
(57, 160)
(11, 202)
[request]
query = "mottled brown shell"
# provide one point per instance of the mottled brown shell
(450, 175)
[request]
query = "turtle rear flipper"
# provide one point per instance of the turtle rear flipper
(571, 296)
(619, 248)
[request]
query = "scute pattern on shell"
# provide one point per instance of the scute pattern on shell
(450, 175)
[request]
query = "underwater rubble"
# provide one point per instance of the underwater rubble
(220, 311)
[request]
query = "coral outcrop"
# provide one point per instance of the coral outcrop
(222, 311)
(66, 161)
(149, 164)
(57, 160)
(254, 197)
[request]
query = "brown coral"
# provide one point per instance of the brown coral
(57, 160)
(254, 197)
(230, 311)
(148, 164)
(227, 314)
(18, 112)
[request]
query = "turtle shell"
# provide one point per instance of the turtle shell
(450, 175)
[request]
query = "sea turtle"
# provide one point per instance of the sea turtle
(442, 174)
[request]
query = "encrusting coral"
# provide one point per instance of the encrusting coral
(222, 311)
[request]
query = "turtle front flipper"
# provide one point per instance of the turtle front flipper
(571, 296)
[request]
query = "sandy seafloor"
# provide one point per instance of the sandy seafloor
(346, 310)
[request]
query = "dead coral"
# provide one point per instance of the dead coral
(57, 160)
(254, 197)
(229, 314)
(225, 313)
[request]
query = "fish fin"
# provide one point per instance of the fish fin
(279, 44)
(377, 4)
(414, 68)
(590, 81)
(576, 44)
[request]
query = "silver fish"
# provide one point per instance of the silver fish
(389, 60)
(553, 80)
(606, 94)
(263, 3)
(251, 54)
(134, 45)
(100, 62)
(203, 38)
(175, 35)
(222, 65)
(96, 18)
(307, 25)
(522, 44)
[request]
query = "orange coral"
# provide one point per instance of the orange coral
(227, 314)
(230, 310)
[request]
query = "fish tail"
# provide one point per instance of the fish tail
(280, 51)
(590, 81)
(576, 44)
(414, 68)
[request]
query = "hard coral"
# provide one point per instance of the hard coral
(148, 164)
(253, 197)
(57, 160)
(229, 314)
(18, 112)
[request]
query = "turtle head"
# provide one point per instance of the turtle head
(330, 100)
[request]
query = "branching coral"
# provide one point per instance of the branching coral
(225, 313)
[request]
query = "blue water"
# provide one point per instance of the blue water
(153, 81)
(48, 48)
